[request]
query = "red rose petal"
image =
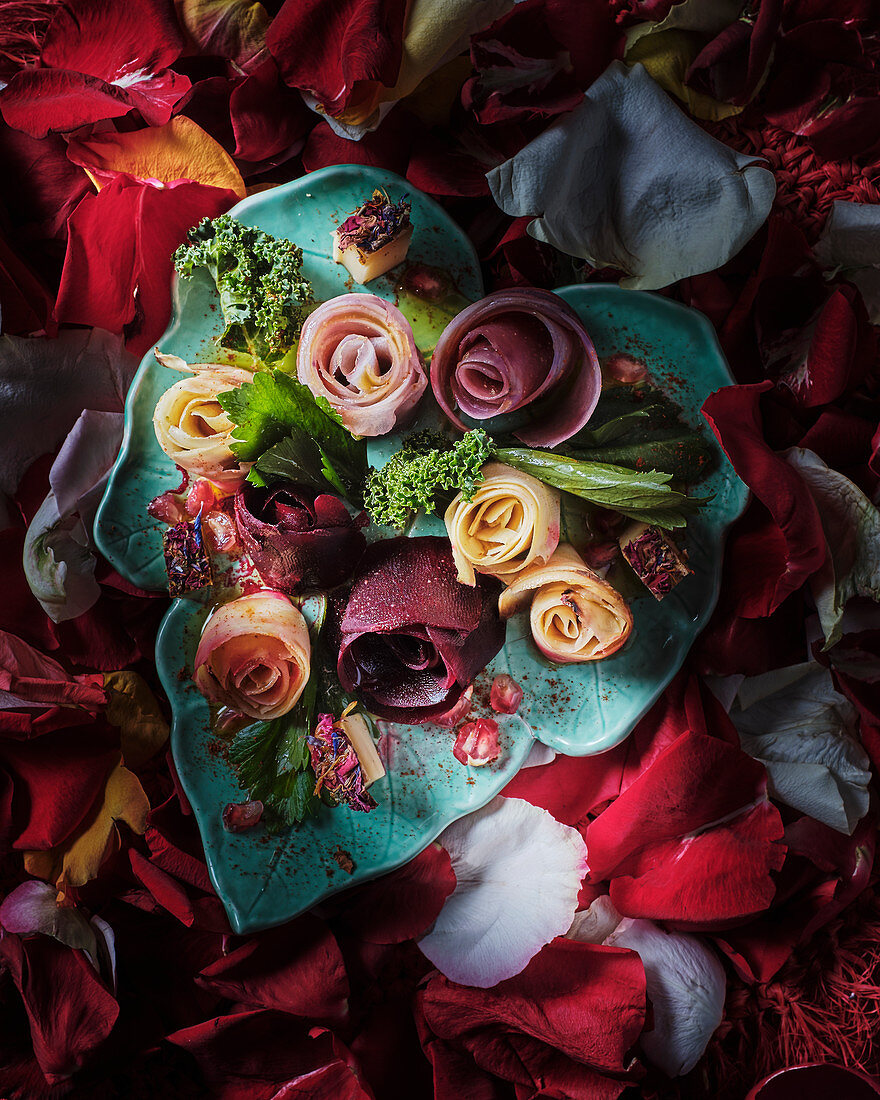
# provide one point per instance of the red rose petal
(734, 415)
(353, 45)
(122, 240)
(297, 969)
(678, 845)
(57, 779)
(261, 1055)
(404, 904)
(571, 1017)
(70, 1010)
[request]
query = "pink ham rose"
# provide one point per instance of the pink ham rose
(254, 655)
(358, 352)
(522, 359)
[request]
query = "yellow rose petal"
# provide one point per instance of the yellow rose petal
(179, 150)
(134, 708)
(78, 860)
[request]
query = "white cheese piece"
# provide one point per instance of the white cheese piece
(358, 733)
(366, 266)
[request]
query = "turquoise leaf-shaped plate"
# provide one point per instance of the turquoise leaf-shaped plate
(578, 709)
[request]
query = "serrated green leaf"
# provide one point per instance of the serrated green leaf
(275, 409)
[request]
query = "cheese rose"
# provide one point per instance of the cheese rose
(254, 655)
(191, 427)
(575, 615)
(512, 522)
(358, 352)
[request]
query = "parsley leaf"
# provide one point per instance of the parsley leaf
(291, 434)
(428, 463)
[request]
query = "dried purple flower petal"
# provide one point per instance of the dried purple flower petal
(187, 561)
(655, 558)
(374, 224)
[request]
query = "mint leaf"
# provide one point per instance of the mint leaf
(646, 497)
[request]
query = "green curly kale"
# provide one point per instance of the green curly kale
(263, 294)
(427, 463)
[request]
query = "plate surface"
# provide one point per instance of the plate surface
(576, 709)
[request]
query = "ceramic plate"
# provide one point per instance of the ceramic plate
(578, 709)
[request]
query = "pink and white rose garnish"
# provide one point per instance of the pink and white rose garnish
(254, 655)
(358, 352)
(574, 615)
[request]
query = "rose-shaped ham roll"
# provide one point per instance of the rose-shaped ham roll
(413, 637)
(522, 354)
(254, 655)
(358, 352)
(575, 615)
(511, 523)
(191, 427)
(298, 538)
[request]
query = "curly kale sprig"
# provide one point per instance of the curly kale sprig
(427, 464)
(263, 294)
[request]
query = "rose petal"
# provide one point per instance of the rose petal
(679, 846)
(296, 969)
(686, 987)
(232, 29)
(122, 240)
(82, 369)
(569, 1019)
(852, 531)
(804, 733)
(657, 198)
(404, 904)
(70, 1010)
(355, 47)
(178, 150)
(734, 414)
(518, 875)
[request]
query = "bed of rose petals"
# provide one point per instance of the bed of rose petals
(673, 918)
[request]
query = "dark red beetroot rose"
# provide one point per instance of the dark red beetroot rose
(522, 354)
(297, 538)
(413, 637)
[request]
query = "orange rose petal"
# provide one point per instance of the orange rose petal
(179, 150)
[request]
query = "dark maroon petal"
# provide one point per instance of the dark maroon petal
(412, 636)
(352, 47)
(70, 1010)
(522, 350)
(298, 539)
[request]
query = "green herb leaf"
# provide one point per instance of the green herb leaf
(683, 454)
(263, 294)
(647, 497)
(279, 423)
(427, 464)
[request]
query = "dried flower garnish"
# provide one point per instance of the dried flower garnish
(657, 561)
(187, 561)
(336, 765)
(374, 224)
